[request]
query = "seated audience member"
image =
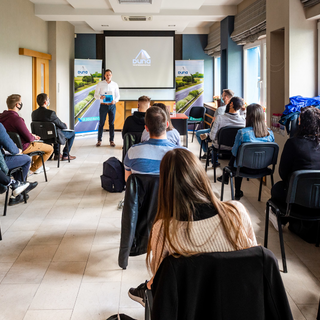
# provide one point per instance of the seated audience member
(45, 115)
(135, 123)
(256, 130)
(172, 134)
(301, 152)
(190, 218)
(145, 157)
(14, 123)
(231, 118)
(13, 160)
(227, 94)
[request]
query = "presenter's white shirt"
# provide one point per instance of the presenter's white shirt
(103, 87)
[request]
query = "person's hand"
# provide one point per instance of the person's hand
(36, 137)
(243, 108)
(20, 151)
(112, 102)
(102, 97)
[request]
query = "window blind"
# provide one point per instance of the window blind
(214, 41)
(250, 24)
(309, 3)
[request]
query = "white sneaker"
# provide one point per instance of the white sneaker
(40, 170)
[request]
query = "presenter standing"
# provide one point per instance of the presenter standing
(108, 93)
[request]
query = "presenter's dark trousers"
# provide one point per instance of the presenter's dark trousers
(103, 112)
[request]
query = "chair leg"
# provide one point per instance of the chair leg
(266, 227)
(194, 127)
(22, 179)
(260, 189)
(44, 168)
(283, 255)
(200, 149)
(214, 167)
(207, 159)
(6, 202)
(231, 187)
(318, 235)
(59, 146)
(272, 182)
(0, 234)
(67, 145)
(222, 185)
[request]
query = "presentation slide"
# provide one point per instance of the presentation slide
(141, 62)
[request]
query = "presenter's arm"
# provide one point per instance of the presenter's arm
(116, 94)
(97, 92)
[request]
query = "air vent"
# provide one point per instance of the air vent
(135, 1)
(136, 18)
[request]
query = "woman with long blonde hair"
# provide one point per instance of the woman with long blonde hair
(190, 218)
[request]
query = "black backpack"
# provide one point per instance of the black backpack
(112, 178)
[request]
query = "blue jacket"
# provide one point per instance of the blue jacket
(7, 144)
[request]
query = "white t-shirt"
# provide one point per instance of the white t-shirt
(103, 87)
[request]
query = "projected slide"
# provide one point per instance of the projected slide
(141, 62)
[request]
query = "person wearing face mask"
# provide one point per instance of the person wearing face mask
(14, 123)
(226, 96)
(43, 114)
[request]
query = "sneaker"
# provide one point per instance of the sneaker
(40, 170)
(120, 205)
(16, 200)
(32, 185)
(204, 157)
(273, 219)
(18, 187)
(137, 294)
(238, 195)
(203, 136)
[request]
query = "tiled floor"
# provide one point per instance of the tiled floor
(59, 253)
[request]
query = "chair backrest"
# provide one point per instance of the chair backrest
(47, 131)
(197, 112)
(227, 135)
(304, 189)
(129, 139)
(139, 211)
(16, 139)
(243, 284)
(257, 155)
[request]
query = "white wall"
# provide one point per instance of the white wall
(61, 44)
(19, 28)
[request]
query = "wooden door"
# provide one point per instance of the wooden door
(119, 120)
(40, 78)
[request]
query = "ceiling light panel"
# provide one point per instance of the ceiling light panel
(135, 1)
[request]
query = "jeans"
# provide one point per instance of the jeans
(70, 135)
(20, 160)
(103, 112)
(204, 146)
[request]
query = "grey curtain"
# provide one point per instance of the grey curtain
(250, 24)
(309, 3)
(213, 43)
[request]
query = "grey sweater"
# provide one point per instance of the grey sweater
(227, 119)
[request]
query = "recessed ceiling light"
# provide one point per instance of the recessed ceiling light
(171, 25)
(104, 25)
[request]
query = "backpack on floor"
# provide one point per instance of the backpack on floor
(112, 178)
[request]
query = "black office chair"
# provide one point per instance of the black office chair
(196, 116)
(302, 203)
(8, 189)
(244, 284)
(257, 156)
(49, 134)
(225, 137)
(16, 139)
(139, 211)
(129, 139)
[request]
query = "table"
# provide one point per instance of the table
(180, 123)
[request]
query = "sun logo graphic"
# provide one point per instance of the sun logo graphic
(142, 59)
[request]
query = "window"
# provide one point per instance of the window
(217, 76)
(255, 72)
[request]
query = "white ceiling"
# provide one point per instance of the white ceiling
(95, 16)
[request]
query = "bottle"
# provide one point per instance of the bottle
(174, 112)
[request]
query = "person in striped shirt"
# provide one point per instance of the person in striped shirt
(145, 157)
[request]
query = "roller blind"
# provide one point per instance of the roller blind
(213, 46)
(250, 23)
(309, 3)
